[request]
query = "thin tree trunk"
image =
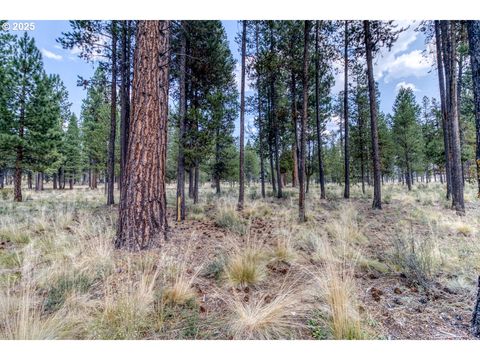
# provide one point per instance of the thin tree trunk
(377, 191)
(260, 129)
(295, 134)
(274, 121)
(113, 120)
(443, 105)
(346, 193)
(474, 47)
(124, 97)
(180, 208)
(241, 189)
(142, 213)
(317, 114)
(303, 126)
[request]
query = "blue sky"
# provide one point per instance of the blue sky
(403, 65)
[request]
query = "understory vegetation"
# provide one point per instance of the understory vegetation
(348, 272)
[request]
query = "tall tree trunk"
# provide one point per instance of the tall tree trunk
(448, 34)
(124, 96)
(142, 220)
(303, 126)
(443, 106)
(317, 113)
(241, 189)
(273, 114)
(474, 48)
(180, 208)
(113, 120)
(295, 132)
(460, 128)
(260, 129)
(377, 190)
(346, 193)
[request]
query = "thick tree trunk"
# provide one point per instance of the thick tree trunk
(346, 193)
(113, 120)
(303, 127)
(142, 213)
(241, 189)
(180, 208)
(2, 178)
(448, 33)
(474, 47)
(377, 191)
(317, 114)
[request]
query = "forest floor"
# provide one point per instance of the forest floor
(408, 271)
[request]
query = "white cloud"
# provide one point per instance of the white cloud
(397, 63)
(51, 55)
(403, 84)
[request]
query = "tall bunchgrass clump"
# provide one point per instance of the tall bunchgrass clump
(265, 316)
(178, 280)
(335, 284)
(345, 226)
(22, 314)
(245, 266)
(127, 310)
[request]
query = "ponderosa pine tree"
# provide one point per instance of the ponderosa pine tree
(95, 118)
(97, 41)
(303, 125)
(241, 191)
(27, 70)
(142, 220)
(377, 194)
(317, 112)
(376, 34)
(346, 192)
(474, 49)
(182, 59)
(407, 133)
(449, 51)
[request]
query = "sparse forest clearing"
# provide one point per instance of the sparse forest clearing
(406, 272)
(259, 179)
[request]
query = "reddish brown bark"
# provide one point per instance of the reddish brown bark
(142, 220)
